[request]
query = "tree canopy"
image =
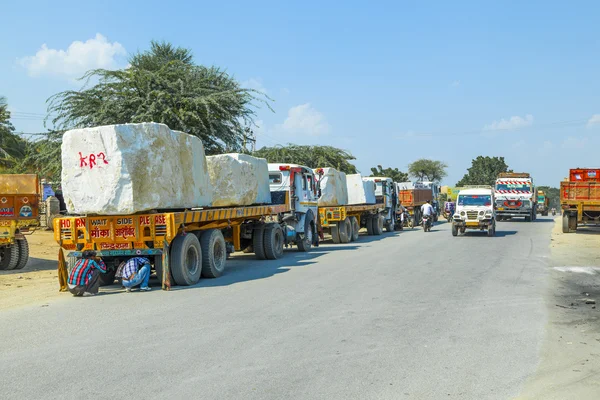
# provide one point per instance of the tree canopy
(164, 85)
(484, 171)
(309, 156)
(394, 173)
(12, 146)
(428, 170)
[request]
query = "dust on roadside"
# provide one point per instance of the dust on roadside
(38, 281)
(570, 356)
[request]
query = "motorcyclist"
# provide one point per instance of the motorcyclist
(427, 210)
(449, 207)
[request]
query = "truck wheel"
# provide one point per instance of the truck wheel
(108, 278)
(378, 222)
(214, 253)
(186, 259)
(305, 240)
(528, 218)
(355, 228)
(573, 223)
(566, 228)
(343, 229)
(491, 230)
(390, 226)
(273, 242)
(335, 234)
(454, 230)
(23, 253)
(258, 243)
(349, 229)
(370, 220)
(9, 257)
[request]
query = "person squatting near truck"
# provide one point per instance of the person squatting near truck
(84, 279)
(134, 272)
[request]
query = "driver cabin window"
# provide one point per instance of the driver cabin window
(275, 179)
(309, 179)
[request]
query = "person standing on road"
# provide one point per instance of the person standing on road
(84, 279)
(135, 271)
(427, 209)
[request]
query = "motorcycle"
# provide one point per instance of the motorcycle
(426, 223)
(553, 213)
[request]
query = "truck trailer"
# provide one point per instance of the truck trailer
(580, 199)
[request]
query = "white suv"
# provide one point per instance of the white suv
(475, 210)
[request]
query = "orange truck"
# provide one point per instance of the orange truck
(580, 198)
(19, 216)
(412, 196)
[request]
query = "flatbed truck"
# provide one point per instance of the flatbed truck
(184, 245)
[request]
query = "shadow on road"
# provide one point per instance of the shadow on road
(484, 233)
(33, 264)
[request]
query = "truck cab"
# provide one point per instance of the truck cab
(386, 194)
(516, 196)
(297, 186)
(475, 210)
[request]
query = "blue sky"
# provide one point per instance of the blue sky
(390, 81)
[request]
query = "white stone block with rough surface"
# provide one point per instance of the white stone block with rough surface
(130, 168)
(334, 190)
(238, 180)
(360, 191)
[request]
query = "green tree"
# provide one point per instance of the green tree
(12, 146)
(484, 171)
(42, 156)
(309, 156)
(164, 85)
(394, 173)
(428, 170)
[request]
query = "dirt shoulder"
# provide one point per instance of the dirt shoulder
(37, 283)
(570, 356)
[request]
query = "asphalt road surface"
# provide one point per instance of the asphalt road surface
(406, 315)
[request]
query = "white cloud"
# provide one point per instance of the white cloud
(455, 83)
(79, 57)
(256, 84)
(514, 122)
(595, 120)
(304, 120)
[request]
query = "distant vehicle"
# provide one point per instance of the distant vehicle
(543, 203)
(580, 198)
(19, 216)
(427, 222)
(516, 196)
(475, 210)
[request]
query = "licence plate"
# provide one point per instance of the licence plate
(500, 208)
(472, 223)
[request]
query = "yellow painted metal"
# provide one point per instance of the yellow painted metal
(472, 223)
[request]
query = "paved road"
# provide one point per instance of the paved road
(409, 315)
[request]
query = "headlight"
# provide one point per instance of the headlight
(462, 213)
(480, 212)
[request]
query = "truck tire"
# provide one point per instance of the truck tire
(9, 257)
(390, 226)
(528, 218)
(573, 223)
(454, 230)
(335, 234)
(378, 222)
(344, 228)
(186, 259)
(258, 243)
(566, 224)
(23, 253)
(214, 253)
(370, 224)
(305, 240)
(108, 278)
(273, 240)
(355, 228)
(491, 230)
(349, 229)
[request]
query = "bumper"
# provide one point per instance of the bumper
(121, 253)
(469, 224)
(514, 213)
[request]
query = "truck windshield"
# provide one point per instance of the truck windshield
(274, 179)
(523, 187)
(474, 200)
(541, 199)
